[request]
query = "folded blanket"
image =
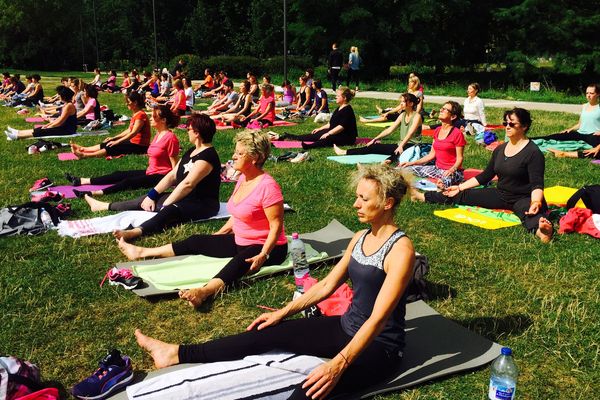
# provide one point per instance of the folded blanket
(564, 145)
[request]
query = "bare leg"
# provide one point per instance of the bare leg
(163, 354)
(134, 252)
(96, 205)
(338, 151)
(27, 133)
(197, 296)
(415, 195)
(128, 234)
(563, 154)
(85, 181)
(545, 230)
(85, 152)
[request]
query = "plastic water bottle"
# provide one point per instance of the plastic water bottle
(503, 379)
(46, 219)
(299, 263)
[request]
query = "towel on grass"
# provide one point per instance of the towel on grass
(359, 158)
(480, 217)
(564, 145)
(122, 220)
(196, 270)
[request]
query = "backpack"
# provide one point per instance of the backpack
(18, 378)
(108, 114)
(417, 287)
(26, 219)
(415, 152)
(590, 195)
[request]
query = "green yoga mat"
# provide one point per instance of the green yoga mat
(197, 270)
(381, 124)
(359, 159)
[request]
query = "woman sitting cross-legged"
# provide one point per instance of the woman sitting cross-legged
(340, 130)
(196, 179)
(163, 154)
(519, 165)
(410, 132)
(253, 235)
(133, 140)
(65, 124)
(365, 344)
(447, 150)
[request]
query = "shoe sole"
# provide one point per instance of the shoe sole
(128, 287)
(110, 391)
(41, 188)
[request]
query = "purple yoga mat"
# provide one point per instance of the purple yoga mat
(67, 157)
(67, 191)
(596, 162)
(294, 144)
(35, 119)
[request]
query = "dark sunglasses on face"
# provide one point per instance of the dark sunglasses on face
(511, 124)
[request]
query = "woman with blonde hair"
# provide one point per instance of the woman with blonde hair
(354, 64)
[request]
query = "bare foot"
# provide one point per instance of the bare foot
(95, 205)
(545, 230)
(558, 153)
(74, 147)
(415, 195)
(131, 251)
(339, 151)
(195, 297)
(363, 119)
(163, 354)
(127, 234)
(379, 109)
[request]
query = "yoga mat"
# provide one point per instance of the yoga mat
(559, 195)
(78, 133)
(470, 217)
(494, 127)
(436, 347)
(492, 146)
(284, 123)
(564, 145)
(67, 156)
(371, 117)
(362, 159)
(223, 127)
(595, 162)
(331, 240)
(296, 144)
(381, 124)
(427, 132)
(35, 119)
(67, 191)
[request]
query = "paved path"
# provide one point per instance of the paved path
(499, 103)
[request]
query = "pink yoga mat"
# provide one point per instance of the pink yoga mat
(35, 119)
(38, 125)
(596, 162)
(284, 123)
(67, 157)
(67, 191)
(295, 144)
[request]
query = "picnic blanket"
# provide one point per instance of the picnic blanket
(559, 195)
(564, 145)
(122, 220)
(100, 132)
(328, 243)
(359, 158)
(296, 144)
(479, 216)
(436, 347)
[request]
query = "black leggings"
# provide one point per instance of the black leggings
(319, 336)
(353, 74)
(378, 148)
(185, 210)
(592, 140)
(492, 198)
(124, 148)
(340, 139)
(126, 180)
(223, 246)
(58, 131)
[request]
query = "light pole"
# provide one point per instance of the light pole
(285, 69)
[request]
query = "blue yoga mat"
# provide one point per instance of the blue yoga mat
(362, 159)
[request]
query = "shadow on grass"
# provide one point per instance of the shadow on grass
(497, 328)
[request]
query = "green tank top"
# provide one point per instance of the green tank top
(404, 126)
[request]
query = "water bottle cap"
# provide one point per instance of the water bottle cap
(506, 351)
(295, 235)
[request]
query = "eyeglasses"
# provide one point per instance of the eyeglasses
(445, 109)
(511, 124)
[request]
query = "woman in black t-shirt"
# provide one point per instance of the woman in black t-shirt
(341, 129)
(196, 179)
(519, 165)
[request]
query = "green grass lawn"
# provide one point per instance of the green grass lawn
(541, 300)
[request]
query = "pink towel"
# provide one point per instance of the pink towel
(284, 123)
(67, 157)
(67, 191)
(295, 144)
(35, 119)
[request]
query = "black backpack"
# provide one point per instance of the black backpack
(590, 195)
(26, 219)
(417, 287)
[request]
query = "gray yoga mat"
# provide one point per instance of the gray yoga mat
(332, 239)
(435, 347)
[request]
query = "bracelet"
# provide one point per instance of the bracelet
(345, 359)
(153, 194)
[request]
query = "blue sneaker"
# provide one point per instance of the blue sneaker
(113, 374)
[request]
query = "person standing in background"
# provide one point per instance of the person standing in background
(334, 65)
(354, 63)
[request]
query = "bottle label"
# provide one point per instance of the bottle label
(501, 391)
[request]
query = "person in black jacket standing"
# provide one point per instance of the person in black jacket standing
(334, 65)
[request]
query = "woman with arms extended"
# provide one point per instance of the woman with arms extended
(196, 179)
(340, 130)
(519, 165)
(163, 154)
(410, 132)
(253, 235)
(447, 150)
(133, 140)
(365, 344)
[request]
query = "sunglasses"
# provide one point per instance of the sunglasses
(511, 124)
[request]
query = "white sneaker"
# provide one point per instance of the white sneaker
(301, 157)
(11, 130)
(124, 118)
(10, 135)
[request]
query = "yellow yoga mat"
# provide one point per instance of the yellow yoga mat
(559, 195)
(472, 218)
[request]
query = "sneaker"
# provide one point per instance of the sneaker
(273, 135)
(287, 156)
(114, 373)
(301, 157)
(33, 149)
(469, 129)
(123, 277)
(124, 118)
(75, 181)
(10, 135)
(64, 210)
(23, 111)
(47, 196)
(41, 184)
(81, 193)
